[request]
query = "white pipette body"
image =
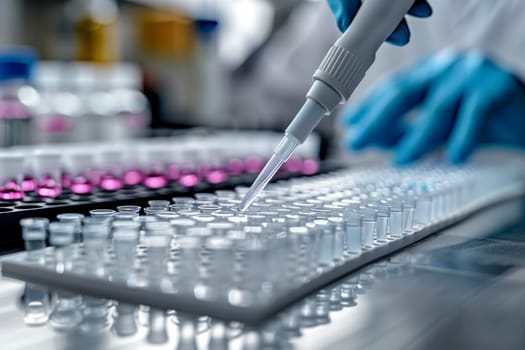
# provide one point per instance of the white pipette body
(341, 70)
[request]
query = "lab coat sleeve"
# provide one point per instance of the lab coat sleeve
(497, 28)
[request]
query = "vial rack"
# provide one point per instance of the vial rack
(300, 236)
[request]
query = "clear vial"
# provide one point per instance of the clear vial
(181, 225)
(250, 282)
(34, 233)
(216, 282)
(409, 207)
(353, 237)
(339, 231)
(158, 228)
(157, 258)
(129, 208)
(102, 213)
(325, 231)
(220, 229)
(36, 305)
(124, 323)
(368, 226)
(124, 216)
(422, 213)
(383, 217)
(61, 237)
(66, 314)
(125, 239)
(187, 267)
(76, 220)
(159, 204)
(153, 211)
(157, 331)
(166, 216)
(396, 218)
(96, 241)
(302, 258)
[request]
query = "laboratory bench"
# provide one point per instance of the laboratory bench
(462, 288)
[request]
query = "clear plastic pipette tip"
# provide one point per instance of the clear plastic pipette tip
(282, 152)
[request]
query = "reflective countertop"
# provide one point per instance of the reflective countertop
(463, 288)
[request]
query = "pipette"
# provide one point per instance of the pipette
(341, 70)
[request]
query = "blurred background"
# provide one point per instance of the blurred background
(108, 70)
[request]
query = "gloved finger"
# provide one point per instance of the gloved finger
(387, 112)
(464, 136)
(344, 11)
(360, 109)
(421, 8)
(434, 122)
(415, 77)
(387, 141)
(401, 35)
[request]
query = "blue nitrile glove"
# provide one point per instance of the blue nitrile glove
(459, 99)
(345, 10)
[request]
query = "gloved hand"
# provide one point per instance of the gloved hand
(345, 10)
(458, 99)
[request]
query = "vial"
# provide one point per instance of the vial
(339, 231)
(159, 204)
(368, 226)
(129, 208)
(124, 216)
(102, 213)
(96, 242)
(382, 219)
(111, 169)
(396, 218)
(47, 166)
(153, 211)
(75, 219)
(166, 216)
(80, 167)
(251, 280)
(187, 267)
(216, 282)
(354, 234)
(34, 233)
(125, 239)
(66, 313)
(302, 260)
(61, 237)
(409, 206)
(11, 170)
(157, 258)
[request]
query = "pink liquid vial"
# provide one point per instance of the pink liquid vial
(293, 165)
(65, 179)
(80, 184)
(216, 175)
(173, 172)
(110, 182)
(310, 167)
(11, 191)
(133, 177)
(28, 183)
(47, 186)
(189, 178)
(254, 164)
(235, 166)
(155, 179)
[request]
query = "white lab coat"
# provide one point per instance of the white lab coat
(284, 73)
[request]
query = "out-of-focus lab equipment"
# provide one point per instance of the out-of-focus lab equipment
(132, 130)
